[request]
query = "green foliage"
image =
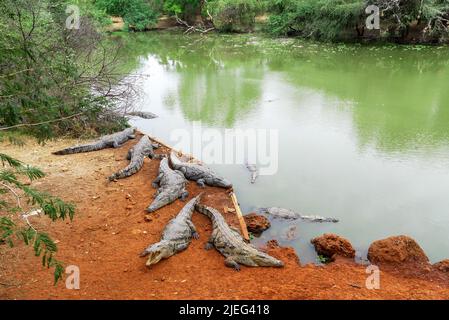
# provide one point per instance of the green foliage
(47, 71)
(138, 14)
(324, 19)
(14, 225)
(323, 259)
(183, 8)
(345, 19)
(235, 15)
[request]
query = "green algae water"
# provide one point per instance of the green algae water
(363, 131)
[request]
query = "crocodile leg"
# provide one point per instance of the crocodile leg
(184, 195)
(156, 181)
(130, 152)
(231, 263)
(195, 234)
(201, 183)
(181, 247)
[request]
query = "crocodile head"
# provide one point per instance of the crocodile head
(222, 182)
(157, 252)
(264, 260)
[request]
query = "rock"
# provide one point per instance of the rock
(443, 266)
(256, 223)
(398, 249)
(272, 244)
(331, 245)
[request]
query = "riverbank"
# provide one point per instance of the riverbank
(111, 228)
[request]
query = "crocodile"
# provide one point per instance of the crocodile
(144, 148)
(114, 140)
(282, 213)
(200, 173)
(176, 236)
(232, 246)
(142, 114)
(254, 171)
(171, 185)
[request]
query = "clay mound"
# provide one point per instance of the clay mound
(331, 245)
(398, 249)
(286, 254)
(443, 266)
(256, 223)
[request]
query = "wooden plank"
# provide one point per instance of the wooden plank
(240, 217)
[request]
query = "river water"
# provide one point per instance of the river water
(361, 132)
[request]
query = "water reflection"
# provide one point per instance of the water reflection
(364, 133)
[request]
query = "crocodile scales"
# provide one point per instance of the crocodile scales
(136, 155)
(171, 185)
(114, 140)
(231, 244)
(282, 213)
(200, 173)
(176, 236)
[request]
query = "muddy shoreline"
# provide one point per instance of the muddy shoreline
(111, 228)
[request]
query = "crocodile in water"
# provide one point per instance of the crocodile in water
(282, 213)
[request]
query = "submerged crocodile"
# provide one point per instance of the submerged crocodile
(114, 140)
(142, 114)
(230, 244)
(176, 236)
(282, 213)
(254, 171)
(200, 173)
(171, 185)
(136, 155)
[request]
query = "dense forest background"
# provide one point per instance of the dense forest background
(401, 20)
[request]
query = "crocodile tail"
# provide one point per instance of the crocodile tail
(174, 160)
(82, 148)
(209, 212)
(162, 199)
(131, 169)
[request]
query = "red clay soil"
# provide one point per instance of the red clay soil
(110, 230)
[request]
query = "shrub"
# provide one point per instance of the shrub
(234, 15)
(137, 14)
(325, 19)
(14, 223)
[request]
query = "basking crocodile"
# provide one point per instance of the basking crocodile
(142, 114)
(282, 213)
(144, 148)
(200, 173)
(176, 236)
(254, 171)
(230, 244)
(114, 140)
(171, 185)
